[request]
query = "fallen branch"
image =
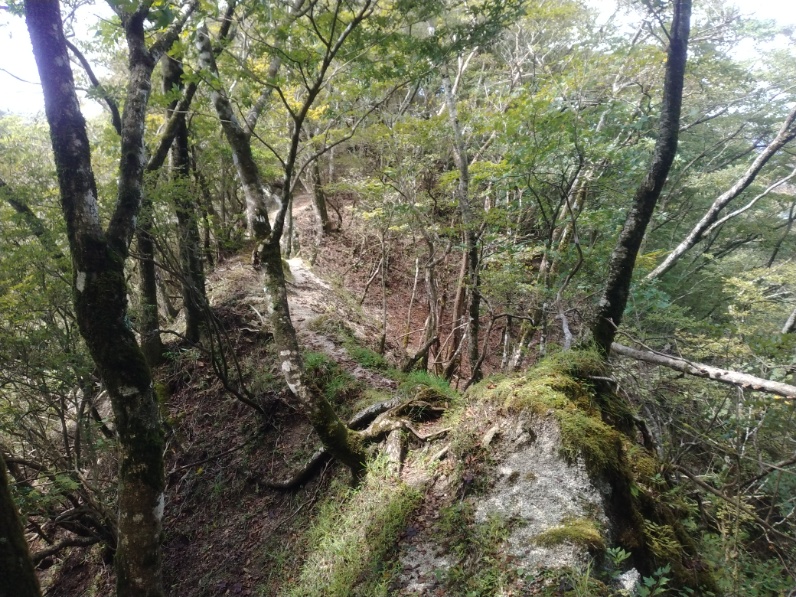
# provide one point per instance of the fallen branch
(410, 364)
(39, 556)
(735, 378)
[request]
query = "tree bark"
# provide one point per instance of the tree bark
(344, 444)
(790, 324)
(19, 577)
(240, 143)
(741, 380)
(192, 271)
(319, 199)
(470, 229)
(100, 289)
(611, 306)
(787, 133)
(148, 316)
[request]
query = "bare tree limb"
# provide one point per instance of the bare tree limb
(787, 133)
(39, 556)
(734, 378)
(116, 118)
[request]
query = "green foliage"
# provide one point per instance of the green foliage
(344, 335)
(338, 386)
(367, 357)
(655, 584)
(422, 382)
(353, 538)
(559, 119)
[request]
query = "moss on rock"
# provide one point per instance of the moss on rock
(578, 531)
(590, 420)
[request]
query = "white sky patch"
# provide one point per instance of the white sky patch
(19, 77)
(22, 95)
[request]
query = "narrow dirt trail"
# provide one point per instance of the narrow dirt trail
(311, 298)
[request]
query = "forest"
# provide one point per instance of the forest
(399, 297)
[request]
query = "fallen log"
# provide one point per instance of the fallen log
(735, 378)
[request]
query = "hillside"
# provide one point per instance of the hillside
(398, 297)
(489, 493)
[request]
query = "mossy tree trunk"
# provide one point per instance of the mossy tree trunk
(343, 443)
(148, 316)
(190, 250)
(100, 289)
(613, 301)
(19, 578)
(629, 513)
(319, 199)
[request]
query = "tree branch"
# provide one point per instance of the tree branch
(725, 376)
(787, 133)
(116, 118)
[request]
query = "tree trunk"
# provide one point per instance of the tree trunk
(457, 318)
(148, 320)
(790, 324)
(100, 289)
(319, 199)
(240, 143)
(19, 578)
(288, 236)
(620, 270)
(470, 229)
(210, 218)
(192, 271)
(343, 443)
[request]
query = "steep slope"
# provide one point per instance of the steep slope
(516, 488)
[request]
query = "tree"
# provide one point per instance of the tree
(342, 442)
(191, 269)
(613, 301)
(19, 578)
(100, 289)
(710, 221)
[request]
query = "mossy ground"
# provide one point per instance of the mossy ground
(579, 531)
(552, 388)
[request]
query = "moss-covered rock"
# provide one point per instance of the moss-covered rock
(621, 500)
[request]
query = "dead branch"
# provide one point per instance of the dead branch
(734, 378)
(39, 556)
(410, 364)
(734, 501)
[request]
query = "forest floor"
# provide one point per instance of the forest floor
(225, 533)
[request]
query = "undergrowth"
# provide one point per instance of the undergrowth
(354, 536)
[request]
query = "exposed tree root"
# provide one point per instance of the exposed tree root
(386, 419)
(42, 555)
